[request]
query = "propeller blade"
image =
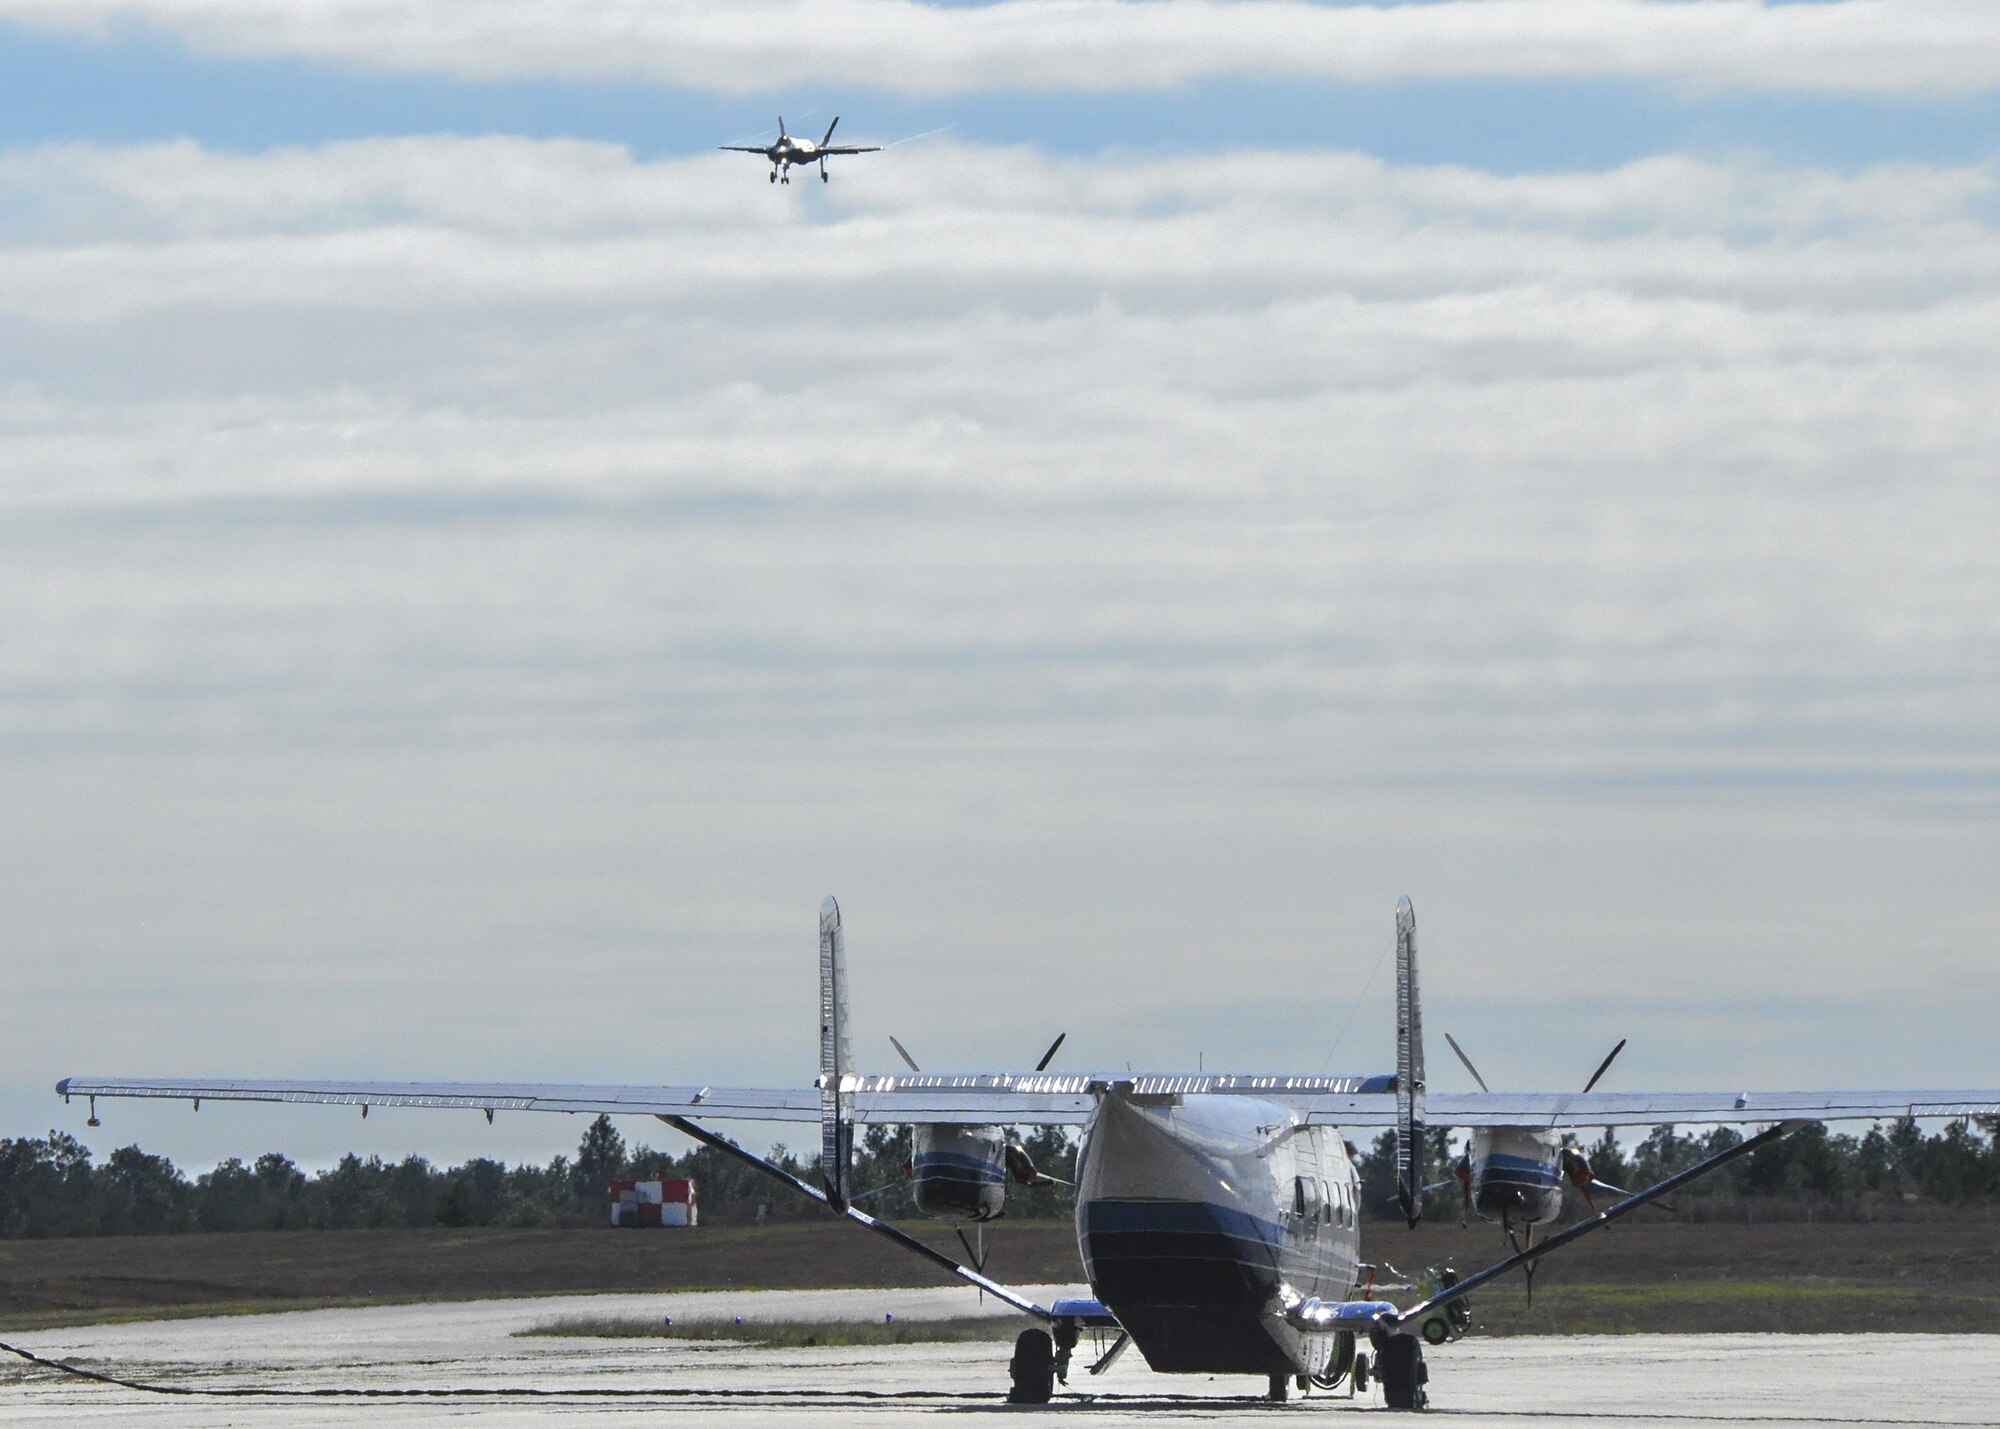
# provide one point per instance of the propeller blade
(976, 1257)
(827, 137)
(1612, 1190)
(1050, 1055)
(781, 126)
(1468, 1062)
(1605, 1065)
(904, 1053)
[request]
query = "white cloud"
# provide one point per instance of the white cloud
(436, 569)
(1878, 47)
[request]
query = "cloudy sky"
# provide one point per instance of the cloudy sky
(477, 565)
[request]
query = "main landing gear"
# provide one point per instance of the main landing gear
(1033, 1368)
(1401, 1371)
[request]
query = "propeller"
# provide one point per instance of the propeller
(1041, 1066)
(1021, 1166)
(827, 137)
(1467, 1062)
(1602, 1067)
(977, 1256)
(1576, 1166)
(781, 126)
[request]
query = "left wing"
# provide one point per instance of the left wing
(722, 1103)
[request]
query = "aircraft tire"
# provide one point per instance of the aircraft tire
(1361, 1374)
(1033, 1368)
(1402, 1371)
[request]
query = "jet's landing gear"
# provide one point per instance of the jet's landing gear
(1401, 1371)
(1033, 1368)
(774, 176)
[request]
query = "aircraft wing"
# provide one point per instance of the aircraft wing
(851, 149)
(1068, 1098)
(966, 1099)
(745, 148)
(720, 1103)
(1558, 1110)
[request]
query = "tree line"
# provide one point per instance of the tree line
(1887, 1172)
(50, 1186)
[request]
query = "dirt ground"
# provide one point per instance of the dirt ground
(1655, 1278)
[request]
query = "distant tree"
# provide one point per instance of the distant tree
(599, 1159)
(142, 1194)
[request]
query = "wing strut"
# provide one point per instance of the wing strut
(1416, 1313)
(859, 1217)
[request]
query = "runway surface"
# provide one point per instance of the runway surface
(471, 1351)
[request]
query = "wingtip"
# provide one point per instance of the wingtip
(62, 1087)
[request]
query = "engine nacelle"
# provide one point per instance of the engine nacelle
(960, 1171)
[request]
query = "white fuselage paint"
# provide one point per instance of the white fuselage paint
(1516, 1177)
(1202, 1218)
(959, 1172)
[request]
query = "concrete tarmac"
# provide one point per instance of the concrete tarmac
(321, 1361)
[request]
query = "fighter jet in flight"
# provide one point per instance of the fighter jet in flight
(789, 152)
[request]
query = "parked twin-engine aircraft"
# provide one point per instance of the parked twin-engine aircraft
(1515, 1174)
(1216, 1213)
(787, 153)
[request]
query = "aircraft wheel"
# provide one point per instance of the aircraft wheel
(1361, 1374)
(822, 175)
(1033, 1368)
(1280, 1390)
(774, 176)
(1402, 1370)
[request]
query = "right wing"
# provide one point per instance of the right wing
(1557, 1110)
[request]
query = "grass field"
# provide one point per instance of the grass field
(1662, 1277)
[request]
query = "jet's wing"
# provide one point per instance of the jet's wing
(745, 148)
(851, 149)
(965, 1099)
(1558, 1110)
(1067, 1099)
(719, 1103)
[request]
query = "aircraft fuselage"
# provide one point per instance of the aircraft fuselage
(1201, 1217)
(1516, 1177)
(960, 1172)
